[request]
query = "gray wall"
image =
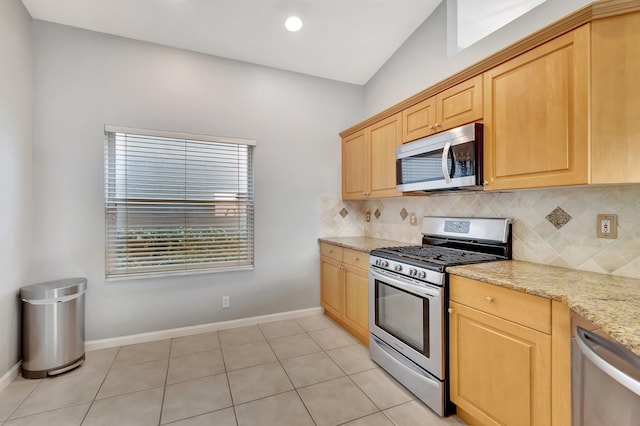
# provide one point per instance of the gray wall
(16, 99)
(85, 80)
(422, 60)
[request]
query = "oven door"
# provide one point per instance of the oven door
(408, 315)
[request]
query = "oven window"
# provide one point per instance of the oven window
(403, 315)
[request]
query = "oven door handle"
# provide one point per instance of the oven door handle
(424, 291)
(445, 156)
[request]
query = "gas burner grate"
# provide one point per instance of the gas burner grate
(438, 255)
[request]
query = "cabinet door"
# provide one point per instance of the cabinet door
(356, 301)
(419, 120)
(536, 116)
(459, 105)
(500, 371)
(355, 166)
(616, 100)
(331, 287)
(385, 137)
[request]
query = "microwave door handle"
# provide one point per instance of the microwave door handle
(445, 168)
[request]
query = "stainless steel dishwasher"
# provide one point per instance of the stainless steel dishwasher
(605, 382)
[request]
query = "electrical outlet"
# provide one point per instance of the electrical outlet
(367, 216)
(413, 220)
(225, 302)
(607, 226)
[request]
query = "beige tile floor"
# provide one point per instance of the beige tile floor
(306, 371)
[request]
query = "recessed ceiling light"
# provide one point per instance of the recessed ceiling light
(293, 23)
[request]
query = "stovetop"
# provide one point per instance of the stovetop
(433, 257)
(447, 241)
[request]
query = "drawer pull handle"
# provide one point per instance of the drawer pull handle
(489, 299)
(450, 310)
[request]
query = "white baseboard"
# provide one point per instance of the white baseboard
(10, 375)
(113, 342)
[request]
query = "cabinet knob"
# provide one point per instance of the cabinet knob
(430, 127)
(437, 125)
(450, 310)
(341, 267)
(356, 258)
(489, 299)
(485, 182)
(330, 250)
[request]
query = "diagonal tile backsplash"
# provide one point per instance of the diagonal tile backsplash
(551, 226)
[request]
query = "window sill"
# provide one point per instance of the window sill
(167, 274)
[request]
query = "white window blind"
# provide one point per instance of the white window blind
(176, 202)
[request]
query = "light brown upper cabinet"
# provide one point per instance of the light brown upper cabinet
(458, 105)
(560, 107)
(615, 108)
(355, 165)
(536, 116)
(369, 160)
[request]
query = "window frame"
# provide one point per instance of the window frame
(455, 45)
(187, 268)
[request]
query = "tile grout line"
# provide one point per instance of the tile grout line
(22, 400)
(101, 384)
(325, 351)
(345, 374)
(226, 375)
(379, 410)
(295, 389)
(294, 386)
(166, 376)
(40, 381)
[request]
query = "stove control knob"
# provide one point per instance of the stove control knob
(398, 268)
(413, 272)
(378, 262)
(384, 264)
(422, 274)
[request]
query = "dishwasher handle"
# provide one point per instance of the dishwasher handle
(587, 341)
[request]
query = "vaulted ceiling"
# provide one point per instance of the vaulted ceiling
(344, 40)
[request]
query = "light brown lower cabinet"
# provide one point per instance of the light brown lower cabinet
(344, 288)
(505, 347)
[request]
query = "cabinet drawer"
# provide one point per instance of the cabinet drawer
(355, 258)
(329, 250)
(522, 308)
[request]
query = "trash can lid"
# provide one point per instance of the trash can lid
(54, 289)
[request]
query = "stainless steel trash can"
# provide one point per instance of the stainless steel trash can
(52, 327)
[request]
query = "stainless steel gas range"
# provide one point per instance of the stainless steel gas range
(409, 295)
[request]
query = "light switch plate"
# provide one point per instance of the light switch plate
(607, 226)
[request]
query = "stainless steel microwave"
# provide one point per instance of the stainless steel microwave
(448, 160)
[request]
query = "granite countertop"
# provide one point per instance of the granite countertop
(611, 302)
(365, 244)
